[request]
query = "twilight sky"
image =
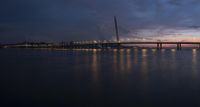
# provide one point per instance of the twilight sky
(66, 20)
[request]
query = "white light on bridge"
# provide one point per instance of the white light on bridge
(94, 41)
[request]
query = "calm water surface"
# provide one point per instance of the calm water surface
(93, 78)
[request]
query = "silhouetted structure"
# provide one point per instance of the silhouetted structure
(116, 44)
(93, 45)
(116, 29)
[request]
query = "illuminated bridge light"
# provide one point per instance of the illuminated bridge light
(94, 41)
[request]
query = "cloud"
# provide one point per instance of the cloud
(58, 20)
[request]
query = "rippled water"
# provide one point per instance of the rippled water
(96, 78)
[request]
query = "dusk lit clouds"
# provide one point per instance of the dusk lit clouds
(65, 20)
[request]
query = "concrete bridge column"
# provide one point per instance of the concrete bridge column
(159, 45)
(179, 46)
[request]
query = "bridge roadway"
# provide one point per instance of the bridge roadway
(118, 44)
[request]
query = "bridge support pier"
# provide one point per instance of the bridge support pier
(199, 46)
(179, 46)
(159, 45)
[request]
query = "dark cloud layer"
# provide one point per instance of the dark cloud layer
(65, 20)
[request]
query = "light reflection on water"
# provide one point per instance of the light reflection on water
(173, 59)
(140, 60)
(135, 56)
(144, 64)
(94, 65)
(194, 63)
(128, 60)
(121, 60)
(95, 76)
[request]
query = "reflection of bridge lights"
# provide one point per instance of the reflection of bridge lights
(144, 50)
(115, 50)
(94, 50)
(163, 50)
(194, 64)
(194, 50)
(135, 49)
(121, 50)
(153, 50)
(128, 50)
(173, 50)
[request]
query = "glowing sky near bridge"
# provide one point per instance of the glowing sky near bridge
(176, 35)
(66, 20)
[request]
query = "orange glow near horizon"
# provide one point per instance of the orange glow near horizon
(163, 39)
(164, 35)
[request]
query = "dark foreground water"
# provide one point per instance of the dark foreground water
(81, 78)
